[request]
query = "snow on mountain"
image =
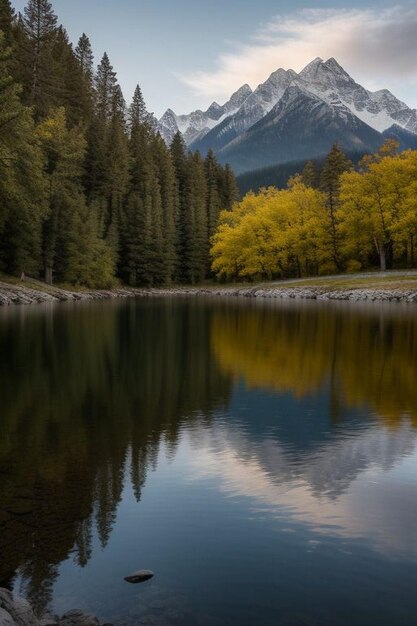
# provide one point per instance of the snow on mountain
(263, 99)
(168, 126)
(321, 82)
(254, 108)
(198, 123)
(328, 80)
(300, 126)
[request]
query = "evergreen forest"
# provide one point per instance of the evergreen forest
(89, 192)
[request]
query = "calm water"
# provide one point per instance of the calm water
(260, 457)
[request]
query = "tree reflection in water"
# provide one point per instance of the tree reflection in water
(89, 393)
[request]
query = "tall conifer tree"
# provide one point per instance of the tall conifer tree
(85, 58)
(335, 164)
(7, 16)
(138, 224)
(90, 182)
(167, 183)
(22, 187)
(43, 79)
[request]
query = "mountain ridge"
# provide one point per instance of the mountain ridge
(295, 116)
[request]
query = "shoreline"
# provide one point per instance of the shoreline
(292, 293)
(17, 611)
(16, 294)
(41, 293)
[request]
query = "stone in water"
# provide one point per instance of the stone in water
(139, 577)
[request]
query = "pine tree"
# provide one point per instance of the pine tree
(138, 114)
(196, 225)
(179, 160)
(118, 170)
(90, 260)
(103, 128)
(7, 17)
(167, 184)
(43, 79)
(335, 164)
(157, 230)
(64, 150)
(138, 220)
(105, 84)
(214, 175)
(230, 193)
(85, 58)
(71, 90)
(309, 175)
(83, 70)
(21, 179)
(90, 184)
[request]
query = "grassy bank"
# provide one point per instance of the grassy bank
(387, 286)
(372, 280)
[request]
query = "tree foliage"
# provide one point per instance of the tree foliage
(357, 219)
(89, 192)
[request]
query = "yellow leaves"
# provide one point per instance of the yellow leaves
(291, 232)
(377, 206)
(265, 232)
(54, 127)
(63, 147)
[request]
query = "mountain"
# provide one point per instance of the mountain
(195, 125)
(294, 117)
(284, 135)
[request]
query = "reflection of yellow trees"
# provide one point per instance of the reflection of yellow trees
(81, 388)
(363, 358)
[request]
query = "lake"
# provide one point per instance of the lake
(259, 456)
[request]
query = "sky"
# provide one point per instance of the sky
(187, 53)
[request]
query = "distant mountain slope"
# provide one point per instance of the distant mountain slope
(199, 123)
(406, 138)
(295, 116)
(300, 126)
(278, 175)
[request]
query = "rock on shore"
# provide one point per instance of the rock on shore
(19, 294)
(41, 293)
(296, 293)
(15, 611)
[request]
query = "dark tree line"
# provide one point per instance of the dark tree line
(89, 191)
(278, 175)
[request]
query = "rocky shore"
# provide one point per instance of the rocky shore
(15, 611)
(39, 292)
(296, 293)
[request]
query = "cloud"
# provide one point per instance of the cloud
(376, 47)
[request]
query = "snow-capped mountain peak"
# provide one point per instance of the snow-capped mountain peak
(322, 86)
(237, 99)
(310, 70)
(197, 124)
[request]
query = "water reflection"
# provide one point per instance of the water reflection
(307, 412)
(336, 488)
(364, 356)
(81, 388)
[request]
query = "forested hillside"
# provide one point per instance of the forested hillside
(278, 175)
(89, 192)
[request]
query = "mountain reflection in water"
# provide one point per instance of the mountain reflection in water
(295, 415)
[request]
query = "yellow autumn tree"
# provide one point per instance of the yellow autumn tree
(273, 233)
(362, 218)
(377, 209)
(405, 229)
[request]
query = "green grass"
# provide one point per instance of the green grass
(397, 281)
